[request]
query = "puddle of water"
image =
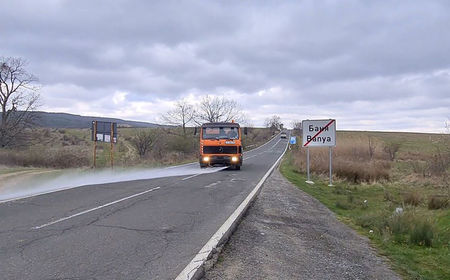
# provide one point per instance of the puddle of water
(50, 182)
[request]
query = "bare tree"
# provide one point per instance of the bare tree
(142, 141)
(218, 109)
(391, 149)
(182, 115)
(297, 126)
(274, 122)
(18, 97)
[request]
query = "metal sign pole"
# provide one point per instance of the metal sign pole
(307, 162)
(331, 167)
(307, 167)
(111, 150)
(95, 143)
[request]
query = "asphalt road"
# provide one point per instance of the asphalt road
(143, 229)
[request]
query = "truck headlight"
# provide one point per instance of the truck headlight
(234, 159)
(205, 159)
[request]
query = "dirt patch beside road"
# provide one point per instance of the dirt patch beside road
(287, 234)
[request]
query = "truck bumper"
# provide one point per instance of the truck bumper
(220, 160)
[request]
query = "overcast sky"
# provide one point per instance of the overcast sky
(372, 65)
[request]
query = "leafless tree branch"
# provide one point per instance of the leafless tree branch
(18, 97)
(182, 115)
(218, 109)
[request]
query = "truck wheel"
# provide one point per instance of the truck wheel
(237, 167)
(203, 165)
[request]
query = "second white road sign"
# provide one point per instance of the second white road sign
(319, 133)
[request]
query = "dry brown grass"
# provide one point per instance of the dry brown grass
(413, 198)
(61, 157)
(437, 202)
(355, 159)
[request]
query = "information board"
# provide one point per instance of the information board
(101, 131)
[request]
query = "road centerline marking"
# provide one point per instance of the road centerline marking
(271, 148)
(192, 176)
(95, 208)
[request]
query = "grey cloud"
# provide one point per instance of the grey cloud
(319, 53)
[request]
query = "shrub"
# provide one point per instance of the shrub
(376, 221)
(391, 149)
(350, 198)
(338, 190)
(420, 167)
(422, 234)
(400, 223)
(437, 202)
(388, 196)
(412, 198)
(343, 205)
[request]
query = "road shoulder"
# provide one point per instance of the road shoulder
(287, 234)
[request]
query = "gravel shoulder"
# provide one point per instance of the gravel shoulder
(287, 234)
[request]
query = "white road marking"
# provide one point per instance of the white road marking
(212, 184)
(95, 208)
(250, 157)
(191, 176)
(275, 144)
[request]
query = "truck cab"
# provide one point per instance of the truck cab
(221, 144)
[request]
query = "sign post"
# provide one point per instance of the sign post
(319, 133)
(331, 167)
(308, 180)
(94, 130)
(104, 132)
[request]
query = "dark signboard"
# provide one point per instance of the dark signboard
(101, 131)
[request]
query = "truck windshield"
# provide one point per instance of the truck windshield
(220, 133)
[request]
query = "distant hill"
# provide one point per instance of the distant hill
(64, 120)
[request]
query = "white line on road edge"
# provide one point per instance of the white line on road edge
(96, 208)
(194, 270)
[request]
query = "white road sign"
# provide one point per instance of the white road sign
(319, 133)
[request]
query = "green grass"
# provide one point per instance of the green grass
(394, 237)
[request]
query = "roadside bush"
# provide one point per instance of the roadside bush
(388, 196)
(437, 202)
(400, 223)
(343, 205)
(391, 149)
(420, 167)
(412, 198)
(422, 234)
(376, 221)
(401, 228)
(183, 144)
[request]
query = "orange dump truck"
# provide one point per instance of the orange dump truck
(221, 144)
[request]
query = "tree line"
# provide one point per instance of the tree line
(210, 109)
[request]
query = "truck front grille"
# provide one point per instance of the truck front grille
(220, 149)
